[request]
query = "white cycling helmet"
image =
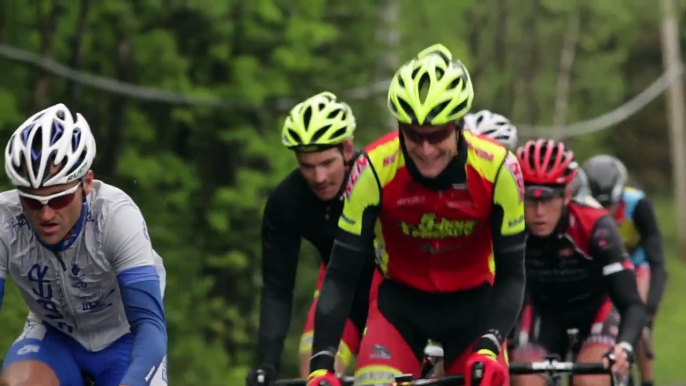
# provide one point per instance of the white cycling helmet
(50, 137)
(493, 125)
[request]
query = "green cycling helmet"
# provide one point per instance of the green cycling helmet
(318, 123)
(431, 89)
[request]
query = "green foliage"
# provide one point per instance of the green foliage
(201, 174)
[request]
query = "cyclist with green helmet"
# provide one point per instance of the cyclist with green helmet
(444, 209)
(306, 205)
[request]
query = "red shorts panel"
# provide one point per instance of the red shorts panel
(350, 342)
(384, 353)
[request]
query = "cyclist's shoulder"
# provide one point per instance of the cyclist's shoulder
(583, 201)
(631, 196)
(477, 140)
(106, 199)
(383, 151)
(11, 212)
(290, 192)
(291, 185)
(484, 152)
(380, 161)
(584, 214)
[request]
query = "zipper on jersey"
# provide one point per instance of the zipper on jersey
(59, 258)
(65, 293)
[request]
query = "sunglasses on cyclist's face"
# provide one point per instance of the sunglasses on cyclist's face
(55, 201)
(431, 136)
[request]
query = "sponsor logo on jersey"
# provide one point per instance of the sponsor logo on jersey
(515, 222)
(357, 169)
(513, 166)
(77, 278)
(28, 349)
(430, 227)
(347, 220)
(42, 288)
(482, 154)
(380, 351)
(411, 201)
(19, 221)
(390, 159)
(566, 252)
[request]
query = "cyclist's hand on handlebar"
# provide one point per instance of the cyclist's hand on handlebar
(263, 375)
(323, 378)
(620, 358)
(494, 374)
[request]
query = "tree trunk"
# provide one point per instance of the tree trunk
(564, 74)
(533, 67)
(502, 104)
(74, 90)
(117, 111)
(47, 26)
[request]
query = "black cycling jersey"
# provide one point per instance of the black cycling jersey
(651, 241)
(292, 213)
(571, 272)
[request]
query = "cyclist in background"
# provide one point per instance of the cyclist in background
(307, 204)
(500, 129)
(640, 232)
(494, 126)
(580, 187)
(576, 268)
(80, 253)
(444, 208)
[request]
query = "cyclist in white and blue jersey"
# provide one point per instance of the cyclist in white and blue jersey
(79, 251)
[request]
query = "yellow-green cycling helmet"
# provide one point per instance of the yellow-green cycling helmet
(431, 89)
(318, 123)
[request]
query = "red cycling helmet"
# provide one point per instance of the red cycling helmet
(546, 162)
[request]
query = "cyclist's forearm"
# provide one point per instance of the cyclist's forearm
(280, 251)
(625, 297)
(658, 272)
(275, 317)
(508, 295)
(335, 299)
(651, 241)
(145, 313)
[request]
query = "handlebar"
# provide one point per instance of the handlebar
(516, 368)
(400, 380)
(523, 368)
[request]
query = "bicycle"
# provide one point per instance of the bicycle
(555, 369)
(433, 358)
(400, 380)
(551, 367)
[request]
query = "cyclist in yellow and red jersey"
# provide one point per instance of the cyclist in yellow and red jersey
(641, 235)
(443, 208)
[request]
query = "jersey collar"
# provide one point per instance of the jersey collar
(72, 235)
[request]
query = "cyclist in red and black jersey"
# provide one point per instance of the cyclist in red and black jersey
(576, 268)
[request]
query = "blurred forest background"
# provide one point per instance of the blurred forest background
(201, 169)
